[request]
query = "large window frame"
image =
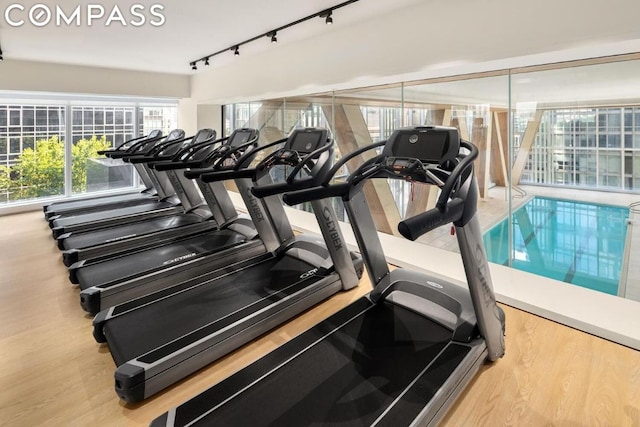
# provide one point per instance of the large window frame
(67, 104)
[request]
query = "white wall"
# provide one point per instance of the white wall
(46, 77)
(433, 38)
(188, 115)
(210, 116)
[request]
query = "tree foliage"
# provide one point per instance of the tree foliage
(39, 171)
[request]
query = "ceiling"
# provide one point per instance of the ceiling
(192, 29)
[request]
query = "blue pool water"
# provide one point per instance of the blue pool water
(575, 242)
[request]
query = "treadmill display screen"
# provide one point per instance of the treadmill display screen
(429, 147)
(306, 142)
(239, 138)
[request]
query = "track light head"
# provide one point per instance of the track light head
(236, 51)
(206, 61)
(273, 34)
(328, 20)
(194, 66)
(1, 55)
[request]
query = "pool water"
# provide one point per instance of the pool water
(575, 242)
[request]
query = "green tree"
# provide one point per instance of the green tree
(81, 152)
(39, 171)
(5, 183)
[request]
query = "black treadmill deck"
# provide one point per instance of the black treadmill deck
(364, 362)
(165, 325)
(136, 264)
(114, 234)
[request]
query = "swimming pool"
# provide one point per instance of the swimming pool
(575, 242)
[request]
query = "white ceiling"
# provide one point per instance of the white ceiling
(193, 29)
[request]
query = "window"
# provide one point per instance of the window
(588, 147)
(33, 138)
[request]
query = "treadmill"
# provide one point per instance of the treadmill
(198, 217)
(71, 207)
(156, 343)
(227, 239)
(154, 189)
(113, 217)
(403, 353)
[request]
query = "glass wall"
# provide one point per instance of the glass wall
(558, 174)
(575, 157)
(37, 136)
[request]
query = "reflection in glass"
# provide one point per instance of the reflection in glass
(574, 242)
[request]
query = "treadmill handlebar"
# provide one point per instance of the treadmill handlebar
(316, 193)
(456, 173)
(305, 160)
(136, 151)
(416, 226)
(167, 165)
(196, 172)
(135, 142)
(213, 176)
(184, 159)
(147, 159)
(235, 171)
(155, 152)
(340, 163)
(281, 187)
(247, 158)
(290, 157)
(218, 158)
(187, 153)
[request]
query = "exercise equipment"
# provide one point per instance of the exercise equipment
(226, 238)
(165, 206)
(201, 214)
(96, 203)
(403, 353)
(158, 341)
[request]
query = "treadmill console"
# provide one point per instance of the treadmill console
(424, 154)
(305, 141)
(238, 138)
(429, 144)
(241, 136)
(300, 143)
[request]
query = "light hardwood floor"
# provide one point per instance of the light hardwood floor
(53, 373)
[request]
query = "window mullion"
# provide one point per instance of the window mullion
(68, 144)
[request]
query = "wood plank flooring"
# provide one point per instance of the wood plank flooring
(52, 372)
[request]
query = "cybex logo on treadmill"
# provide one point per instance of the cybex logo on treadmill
(209, 195)
(413, 139)
(254, 206)
(309, 273)
(333, 232)
(482, 274)
(434, 284)
(180, 258)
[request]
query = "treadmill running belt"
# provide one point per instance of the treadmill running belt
(108, 235)
(349, 378)
(122, 200)
(140, 331)
(111, 213)
(136, 264)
